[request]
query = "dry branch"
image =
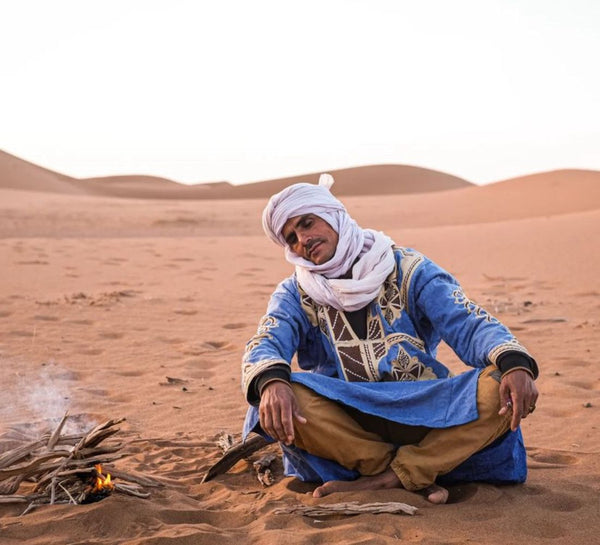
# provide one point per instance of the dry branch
(350, 508)
(234, 455)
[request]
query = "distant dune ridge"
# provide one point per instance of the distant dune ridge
(16, 173)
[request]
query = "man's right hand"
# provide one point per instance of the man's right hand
(278, 409)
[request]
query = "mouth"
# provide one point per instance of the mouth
(313, 248)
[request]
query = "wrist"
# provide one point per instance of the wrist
(271, 381)
(514, 369)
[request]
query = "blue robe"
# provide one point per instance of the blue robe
(393, 373)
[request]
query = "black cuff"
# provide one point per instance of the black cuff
(512, 359)
(279, 371)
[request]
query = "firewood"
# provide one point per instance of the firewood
(131, 490)
(349, 508)
(234, 455)
(54, 437)
(63, 468)
(131, 476)
(10, 486)
(16, 455)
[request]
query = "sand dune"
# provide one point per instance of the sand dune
(16, 173)
(103, 297)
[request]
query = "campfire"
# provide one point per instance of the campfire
(99, 486)
(60, 468)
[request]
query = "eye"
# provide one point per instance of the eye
(291, 239)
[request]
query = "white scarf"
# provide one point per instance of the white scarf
(321, 282)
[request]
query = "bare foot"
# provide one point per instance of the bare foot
(436, 494)
(387, 479)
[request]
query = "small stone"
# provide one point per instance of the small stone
(184, 389)
(587, 405)
(557, 374)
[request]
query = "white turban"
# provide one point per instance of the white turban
(322, 282)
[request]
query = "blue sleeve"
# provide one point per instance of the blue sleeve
(278, 336)
(441, 306)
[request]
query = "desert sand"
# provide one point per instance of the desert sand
(103, 297)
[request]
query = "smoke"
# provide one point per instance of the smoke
(46, 398)
(36, 399)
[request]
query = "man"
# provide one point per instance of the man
(364, 318)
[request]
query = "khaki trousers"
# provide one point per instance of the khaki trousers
(367, 443)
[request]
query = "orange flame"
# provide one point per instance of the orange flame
(103, 482)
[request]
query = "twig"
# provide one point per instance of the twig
(54, 437)
(67, 493)
(350, 508)
(132, 490)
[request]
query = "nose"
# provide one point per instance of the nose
(304, 238)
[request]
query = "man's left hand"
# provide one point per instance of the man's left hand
(519, 394)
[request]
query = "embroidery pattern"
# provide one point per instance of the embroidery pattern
(510, 345)
(309, 306)
(405, 367)
(251, 370)
(389, 298)
(360, 358)
(409, 263)
(460, 298)
(266, 323)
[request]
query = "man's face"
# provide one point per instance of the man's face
(310, 237)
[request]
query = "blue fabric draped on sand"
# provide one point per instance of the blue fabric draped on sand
(437, 403)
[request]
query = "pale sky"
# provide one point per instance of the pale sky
(248, 90)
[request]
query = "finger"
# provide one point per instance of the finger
(287, 424)
(505, 401)
(266, 422)
(299, 417)
(516, 414)
(279, 425)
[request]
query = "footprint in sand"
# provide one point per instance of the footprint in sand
(111, 335)
(125, 373)
(549, 458)
(557, 501)
(45, 318)
(196, 368)
(235, 326)
(592, 385)
(216, 345)
(171, 340)
(91, 351)
(185, 312)
(21, 333)
(81, 322)
(541, 528)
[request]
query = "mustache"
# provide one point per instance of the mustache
(312, 243)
